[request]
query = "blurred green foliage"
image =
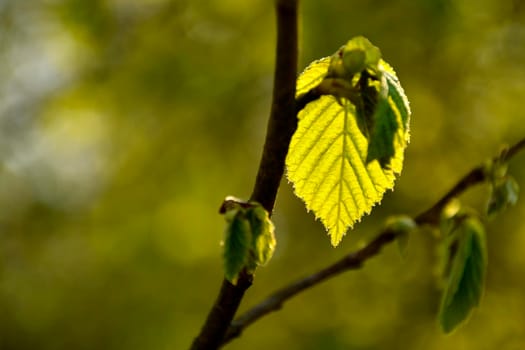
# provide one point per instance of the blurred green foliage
(123, 125)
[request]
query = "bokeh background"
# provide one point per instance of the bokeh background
(124, 123)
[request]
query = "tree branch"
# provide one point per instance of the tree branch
(282, 122)
(356, 259)
(281, 126)
(473, 177)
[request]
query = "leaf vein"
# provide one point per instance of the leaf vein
(325, 173)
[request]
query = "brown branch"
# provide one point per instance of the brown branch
(432, 215)
(513, 150)
(282, 123)
(356, 259)
(281, 126)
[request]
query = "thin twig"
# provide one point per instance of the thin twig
(473, 177)
(276, 300)
(356, 259)
(281, 126)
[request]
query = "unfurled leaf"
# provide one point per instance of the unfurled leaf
(263, 242)
(465, 273)
(236, 243)
(349, 143)
(504, 192)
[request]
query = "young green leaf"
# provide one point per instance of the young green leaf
(465, 272)
(391, 114)
(236, 243)
(349, 143)
(263, 242)
(381, 142)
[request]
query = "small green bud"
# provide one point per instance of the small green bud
(354, 61)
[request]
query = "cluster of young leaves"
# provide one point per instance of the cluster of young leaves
(350, 141)
(464, 247)
(249, 237)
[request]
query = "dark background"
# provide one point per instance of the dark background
(123, 125)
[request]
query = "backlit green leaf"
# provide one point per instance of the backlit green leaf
(236, 243)
(465, 273)
(312, 76)
(349, 143)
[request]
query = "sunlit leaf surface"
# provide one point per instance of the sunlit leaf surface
(329, 157)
